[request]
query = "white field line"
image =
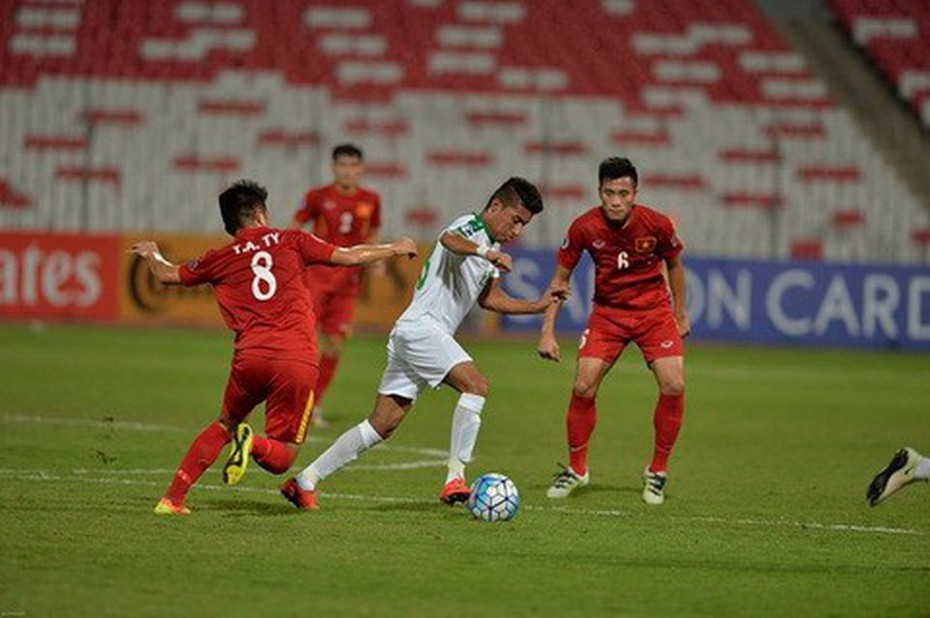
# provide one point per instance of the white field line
(136, 426)
(83, 422)
(44, 476)
(80, 473)
(785, 372)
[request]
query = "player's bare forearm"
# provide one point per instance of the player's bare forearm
(560, 286)
(460, 245)
(378, 269)
(162, 269)
(549, 319)
(494, 298)
(366, 254)
(508, 305)
(548, 346)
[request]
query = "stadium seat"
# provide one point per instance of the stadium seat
(159, 104)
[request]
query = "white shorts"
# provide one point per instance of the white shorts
(420, 354)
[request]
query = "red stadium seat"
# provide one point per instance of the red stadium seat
(807, 249)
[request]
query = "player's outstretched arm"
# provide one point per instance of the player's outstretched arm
(676, 284)
(548, 347)
(366, 254)
(378, 269)
(162, 269)
(460, 245)
(494, 298)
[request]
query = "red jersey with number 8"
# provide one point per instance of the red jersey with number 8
(628, 259)
(259, 287)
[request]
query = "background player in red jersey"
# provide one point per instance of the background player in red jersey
(629, 244)
(343, 213)
(257, 280)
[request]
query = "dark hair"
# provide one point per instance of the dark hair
(613, 168)
(239, 202)
(518, 190)
(347, 150)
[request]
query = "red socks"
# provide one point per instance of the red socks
(581, 418)
(328, 364)
(272, 455)
(667, 423)
(200, 456)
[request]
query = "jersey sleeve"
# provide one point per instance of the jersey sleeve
(669, 244)
(314, 249)
(572, 246)
(308, 207)
(199, 271)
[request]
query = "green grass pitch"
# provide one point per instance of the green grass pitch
(765, 512)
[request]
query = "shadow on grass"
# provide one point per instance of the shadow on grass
(595, 488)
(238, 507)
(410, 507)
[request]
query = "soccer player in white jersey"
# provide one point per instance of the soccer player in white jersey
(463, 268)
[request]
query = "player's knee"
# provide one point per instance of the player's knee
(673, 386)
(584, 388)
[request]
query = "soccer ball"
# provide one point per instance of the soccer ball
(493, 497)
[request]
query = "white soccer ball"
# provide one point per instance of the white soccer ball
(493, 497)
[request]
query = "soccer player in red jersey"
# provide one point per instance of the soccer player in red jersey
(343, 213)
(258, 282)
(630, 245)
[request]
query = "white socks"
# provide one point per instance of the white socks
(346, 449)
(466, 420)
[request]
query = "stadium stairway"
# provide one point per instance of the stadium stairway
(893, 131)
(141, 111)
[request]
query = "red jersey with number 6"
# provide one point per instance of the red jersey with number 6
(627, 258)
(343, 220)
(257, 280)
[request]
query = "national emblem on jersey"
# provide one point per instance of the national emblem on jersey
(364, 210)
(646, 244)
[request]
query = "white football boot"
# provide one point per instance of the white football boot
(898, 473)
(654, 486)
(566, 482)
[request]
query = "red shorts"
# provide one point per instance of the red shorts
(286, 387)
(335, 310)
(333, 291)
(610, 330)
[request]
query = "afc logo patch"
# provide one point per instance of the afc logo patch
(646, 244)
